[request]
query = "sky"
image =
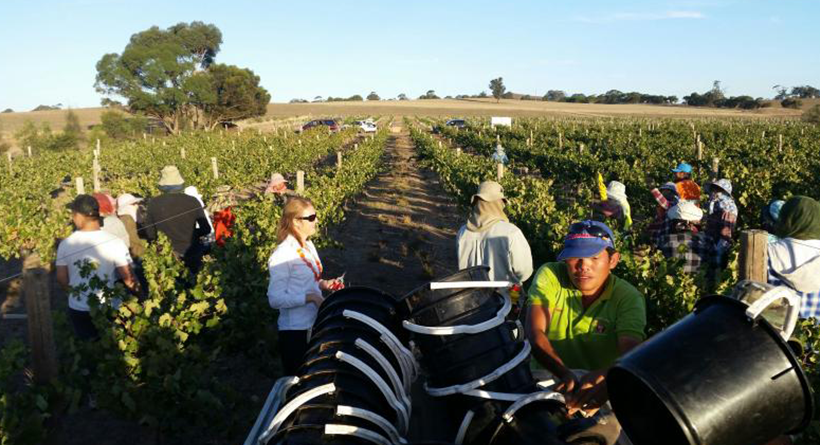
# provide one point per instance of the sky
(49, 49)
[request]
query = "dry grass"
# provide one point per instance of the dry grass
(11, 122)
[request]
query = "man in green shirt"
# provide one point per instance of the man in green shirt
(583, 317)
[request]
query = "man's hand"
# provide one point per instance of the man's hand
(590, 395)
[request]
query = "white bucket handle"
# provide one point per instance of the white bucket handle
(392, 400)
(361, 433)
(370, 416)
(755, 309)
(499, 318)
(477, 383)
(534, 397)
(292, 406)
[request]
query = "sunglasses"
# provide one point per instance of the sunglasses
(310, 218)
(588, 229)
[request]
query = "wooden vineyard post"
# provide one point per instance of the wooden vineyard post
(215, 168)
(458, 151)
(29, 151)
(753, 258)
(182, 152)
(40, 326)
(780, 143)
(8, 155)
(439, 144)
(98, 148)
(355, 146)
(80, 186)
(715, 168)
(581, 149)
(300, 181)
(561, 140)
(339, 160)
(95, 174)
(499, 172)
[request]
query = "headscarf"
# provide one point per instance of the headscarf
(127, 204)
(192, 191)
(485, 214)
(799, 219)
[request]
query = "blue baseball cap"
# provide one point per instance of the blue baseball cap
(586, 239)
(683, 167)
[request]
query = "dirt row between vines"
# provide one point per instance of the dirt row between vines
(398, 235)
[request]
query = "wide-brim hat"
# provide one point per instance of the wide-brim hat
(616, 190)
(592, 238)
(277, 178)
(723, 184)
(489, 191)
(683, 167)
(685, 211)
(170, 177)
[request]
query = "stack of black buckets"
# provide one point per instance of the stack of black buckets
(354, 384)
(477, 361)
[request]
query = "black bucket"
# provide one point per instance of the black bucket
(715, 377)
(467, 347)
(423, 296)
(476, 368)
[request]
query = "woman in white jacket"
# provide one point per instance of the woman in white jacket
(296, 283)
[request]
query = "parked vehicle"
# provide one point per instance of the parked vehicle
(459, 123)
(366, 126)
(330, 123)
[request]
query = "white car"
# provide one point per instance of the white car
(366, 126)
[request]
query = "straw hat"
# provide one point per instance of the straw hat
(170, 176)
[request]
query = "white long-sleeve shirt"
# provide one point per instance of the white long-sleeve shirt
(291, 279)
(502, 247)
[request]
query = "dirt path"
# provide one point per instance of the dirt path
(398, 235)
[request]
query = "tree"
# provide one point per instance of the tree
(497, 87)
(482, 94)
(555, 96)
(227, 93)
(431, 94)
(170, 74)
(402, 96)
(805, 92)
(8, 110)
(373, 96)
(782, 92)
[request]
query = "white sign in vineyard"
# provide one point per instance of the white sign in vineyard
(496, 121)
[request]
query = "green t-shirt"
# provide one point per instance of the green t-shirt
(587, 338)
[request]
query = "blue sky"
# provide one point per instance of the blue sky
(49, 48)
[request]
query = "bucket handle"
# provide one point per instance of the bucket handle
(271, 406)
(465, 424)
(499, 318)
(398, 388)
(534, 397)
(410, 367)
(294, 404)
(361, 433)
(392, 400)
(755, 309)
(370, 416)
(468, 284)
(477, 383)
